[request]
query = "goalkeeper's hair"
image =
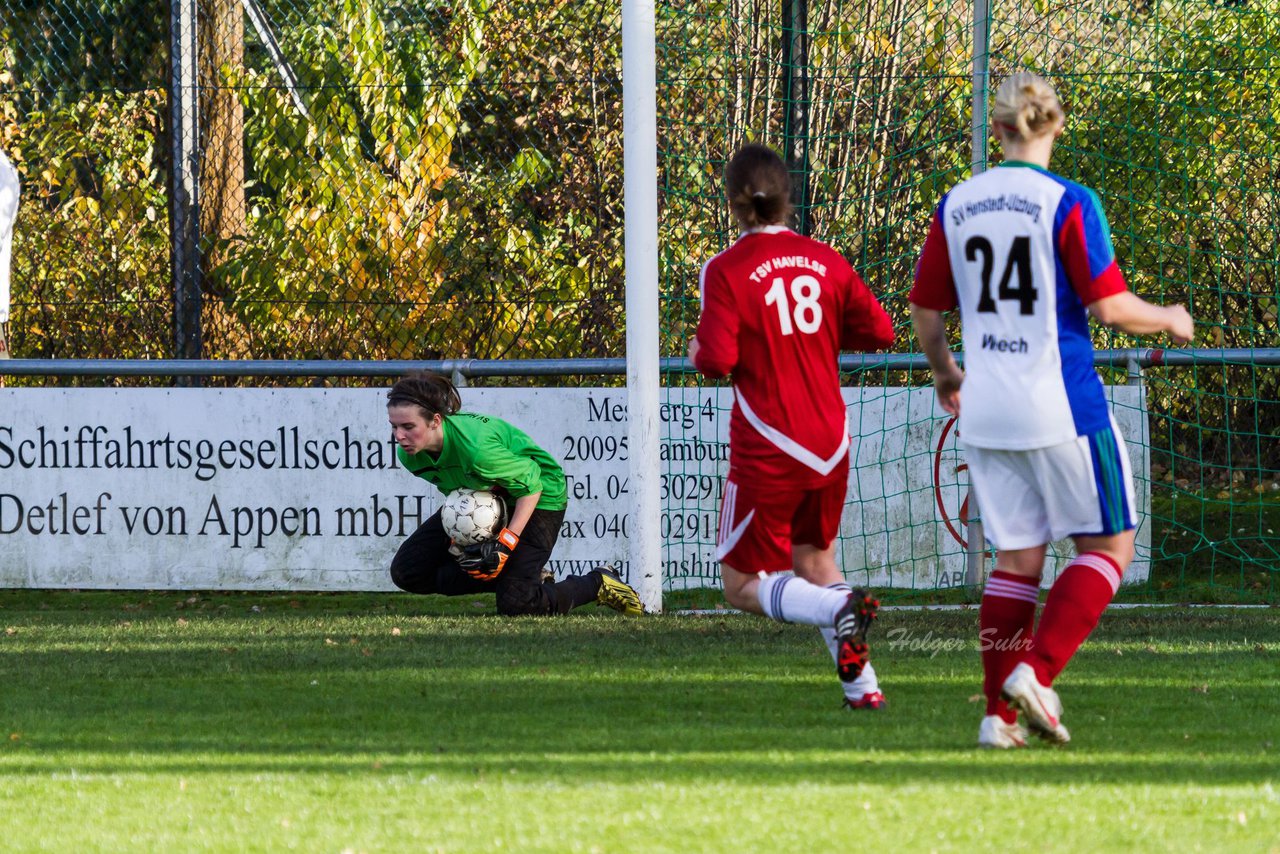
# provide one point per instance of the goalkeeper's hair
(758, 187)
(431, 393)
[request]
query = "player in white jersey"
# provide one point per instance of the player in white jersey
(1026, 256)
(8, 213)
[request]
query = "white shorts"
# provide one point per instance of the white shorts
(1029, 498)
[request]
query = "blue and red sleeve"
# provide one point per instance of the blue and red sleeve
(934, 286)
(718, 327)
(1084, 244)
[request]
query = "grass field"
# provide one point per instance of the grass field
(234, 722)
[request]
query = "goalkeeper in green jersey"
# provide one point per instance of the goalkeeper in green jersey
(453, 449)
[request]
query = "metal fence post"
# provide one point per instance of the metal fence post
(1135, 370)
(976, 554)
(184, 181)
(981, 83)
(975, 563)
(795, 130)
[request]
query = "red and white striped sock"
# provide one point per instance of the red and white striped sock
(1075, 603)
(1005, 619)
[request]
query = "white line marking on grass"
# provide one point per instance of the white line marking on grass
(711, 612)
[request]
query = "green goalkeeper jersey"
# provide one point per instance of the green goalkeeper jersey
(483, 452)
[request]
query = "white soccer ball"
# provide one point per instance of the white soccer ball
(471, 516)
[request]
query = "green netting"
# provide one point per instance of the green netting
(1174, 116)
(1172, 119)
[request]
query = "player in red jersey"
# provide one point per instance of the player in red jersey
(777, 309)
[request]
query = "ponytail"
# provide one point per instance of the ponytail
(758, 187)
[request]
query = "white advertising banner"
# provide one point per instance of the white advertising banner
(299, 489)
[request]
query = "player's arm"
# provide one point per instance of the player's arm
(519, 476)
(714, 348)
(1130, 313)
(931, 332)
(520, 514)
(1085, 246)
(933, 293)
(866, 324)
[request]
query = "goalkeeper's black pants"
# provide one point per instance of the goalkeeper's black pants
(423, 564)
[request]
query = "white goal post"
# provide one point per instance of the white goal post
(640, 169)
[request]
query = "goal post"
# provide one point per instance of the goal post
(640, 210)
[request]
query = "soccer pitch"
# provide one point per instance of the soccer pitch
(231, 722)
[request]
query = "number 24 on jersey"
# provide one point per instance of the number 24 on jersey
(1018, 265)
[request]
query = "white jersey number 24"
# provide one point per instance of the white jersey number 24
(1018, 265)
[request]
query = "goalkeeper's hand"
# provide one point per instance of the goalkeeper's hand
(485, 561)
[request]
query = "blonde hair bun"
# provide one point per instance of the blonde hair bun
(1027, 106)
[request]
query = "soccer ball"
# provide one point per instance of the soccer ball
(472, 516)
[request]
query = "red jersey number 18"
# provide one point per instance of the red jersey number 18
(807, 314)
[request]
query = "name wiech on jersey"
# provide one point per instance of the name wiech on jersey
(1003, 345)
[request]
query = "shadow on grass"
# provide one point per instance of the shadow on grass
(969, 767)
(581, 729)
(601, 699)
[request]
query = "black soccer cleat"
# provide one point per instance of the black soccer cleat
(852, 623)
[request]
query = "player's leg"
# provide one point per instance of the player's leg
(1093, 488)
(1078, 597)
(423, 564)
(1006, 622)
(848, 648)
(1016, 521)
(741, 589)
(755, 540)
(819, 566)
(1089, 494)
(782, 597)
(520, 589)
(862, 692)
(815, 526)
(1089, 490)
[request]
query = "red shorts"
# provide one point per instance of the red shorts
(759, 523)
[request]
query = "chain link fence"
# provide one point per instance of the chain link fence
(1173, 112)
(376, 179)
(1172, 119)
(869, 102)
(386, 179)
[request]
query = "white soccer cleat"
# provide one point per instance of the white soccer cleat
(1038, 702)
(998, 735)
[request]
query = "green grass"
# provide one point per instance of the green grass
(254, 722)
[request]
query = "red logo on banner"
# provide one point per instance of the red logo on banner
(951, 472)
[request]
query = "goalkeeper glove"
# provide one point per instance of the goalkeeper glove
(485, 561)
